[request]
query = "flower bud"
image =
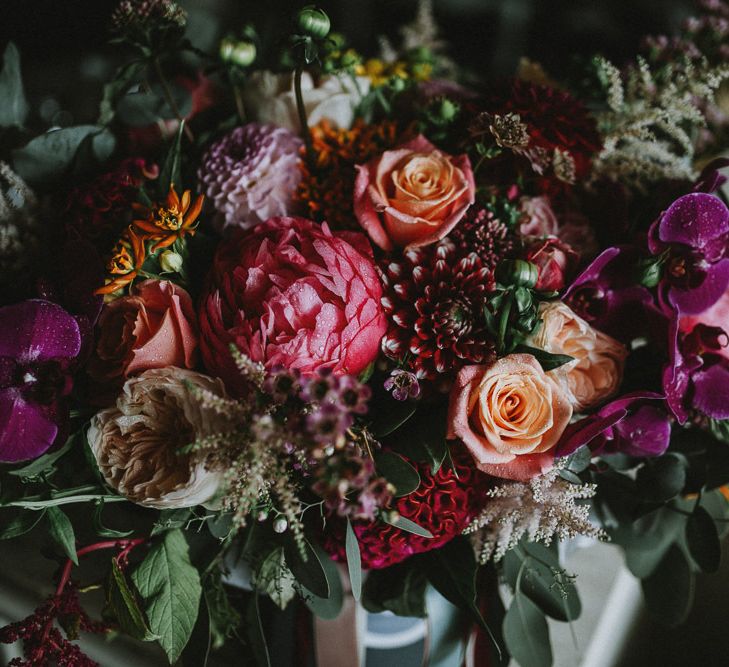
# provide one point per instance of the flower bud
(313, 22)
(170, 261)
(517, 272)
(280, 525)
(262, 516)
(242, 53)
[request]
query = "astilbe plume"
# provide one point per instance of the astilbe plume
(43, 643)
(541, 509)
(434, 299)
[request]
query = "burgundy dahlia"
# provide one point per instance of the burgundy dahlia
(444, 504)
(482, 232)
(434, 299)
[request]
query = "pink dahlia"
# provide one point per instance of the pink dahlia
(444, 504)
(290, 293)
(251, 174)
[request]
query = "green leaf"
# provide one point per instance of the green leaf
(354, 562)
(579, 460)
(396, 470)
(661, 479)
(543, 580)
(548, 360)
(720, 429)
(115, 90)
(702, 539)
(142, 108)
(50, 156)
(103, 531)
(171, 172)
(171, 519)
(452, 570)
(198, 649)
(669, 590)
(389, 415)
(399, 589)
(20, 524)
(273, 577)
(526, 633)
(310, 572)
(61, 530)
(14, 107)
(327, 608)
(123, 605)
(409, 526)
(170, 587)
(45, 464)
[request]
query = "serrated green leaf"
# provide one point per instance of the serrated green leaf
(702, 540)
(396, 470)
(409, 526)
(526, 633)
(170, 587)
(354, 562)
(14, 107)
(669, 590)
(123, 605)
(61, 530)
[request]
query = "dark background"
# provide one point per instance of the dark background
(66, 57)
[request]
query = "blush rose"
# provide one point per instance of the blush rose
(510, 415)
(155, 326)
(413, 195)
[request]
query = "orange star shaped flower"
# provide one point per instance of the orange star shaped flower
(126, 260)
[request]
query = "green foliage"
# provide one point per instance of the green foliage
(142, 108)
(396, 470)
(669, 589)
(123, 608)
(702, 540)
(399, 589)
(354, 561)
(526, 633)
(170, 588)
(61, 530)
(14, 107)
(661, 479)
(405, 524)
(272, 576)
(719, 429)
(21, 523)
(423, 439)
(309, 571)
(548, 360)
(329, 607)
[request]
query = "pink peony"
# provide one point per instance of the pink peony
(153, 327)
(291, 293)
(413, 195)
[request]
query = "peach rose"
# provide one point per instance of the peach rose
(413, 195)
(510, 415)
(597, 369)
(153, 327)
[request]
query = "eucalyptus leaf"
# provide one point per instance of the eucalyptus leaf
(389, 415)
(399, 589)
(661, 479)
(669, 590)
(327, 608)
(702, 540)
(310, 572)
(61, 530)
(526, 633)
(407, 525)
(354, 562)
(170, 588)
(146, 107)
(14, 107)
(548, 360)
(396, 470)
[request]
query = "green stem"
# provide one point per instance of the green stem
(55, 502)
(170, 99)
(302, 114)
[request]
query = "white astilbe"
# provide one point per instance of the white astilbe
(651, 123)
(541, 509)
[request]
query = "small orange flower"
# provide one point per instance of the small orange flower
(170, 221)
(126, 260)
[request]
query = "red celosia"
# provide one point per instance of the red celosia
(444, 504)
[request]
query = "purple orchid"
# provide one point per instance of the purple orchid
(606, 296)
(38, 342)
(696, 376)
(632, 424)
(694, 234)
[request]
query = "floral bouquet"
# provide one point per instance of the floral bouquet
(357, 329)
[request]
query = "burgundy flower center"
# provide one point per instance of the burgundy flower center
(589, 302)
(454, 316)
(685, 270)
(39, 381)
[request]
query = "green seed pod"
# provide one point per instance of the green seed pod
(313, 22)
(242, 53)
(517, 272)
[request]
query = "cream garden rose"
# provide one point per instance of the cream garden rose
(597, 369)
(510, 415)
(137, 442)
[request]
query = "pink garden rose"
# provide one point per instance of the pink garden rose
(510, 415)
(554, 259)
(293, 294)
(155, 326)
(413, 195)
(539, 218)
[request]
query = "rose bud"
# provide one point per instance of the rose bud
(554, 259)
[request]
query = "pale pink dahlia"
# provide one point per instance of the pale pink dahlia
(251, 174)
